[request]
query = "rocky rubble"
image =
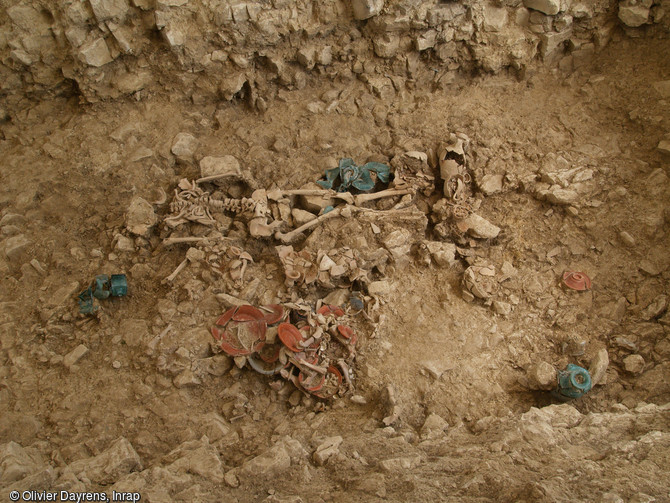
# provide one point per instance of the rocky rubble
(249, 50)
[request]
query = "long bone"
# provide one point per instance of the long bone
(289, 237)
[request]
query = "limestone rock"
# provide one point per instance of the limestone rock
(108, 466)
(386, 45)
(133, 331)
(551, 44)
(271, 462)
(15, 463)
(433, 427)
(16, 247)
(74, 356)
(399, 243)
(491, 184)
(444, 254)
(426, 40)
(199, 458)
(662, 88)
(379, 288)
(598, 367)
(232, 85)
(627, 239)
(561, 196)
(365, 9)
(184, 146)
(140, 216)
(479, 227)
(329, 447)
(542, 376)
(185, 379)
(402, 464)
(301, 216)
(550, 7)
(633, 15)
(214, 426)
(655, 309)
(634, 364)
(502, 308)
(325, 56)
(306, 56)
(495, 18)
(227, 166)
(95, 53)
(108, 9)
(315, 204)
(664, 147)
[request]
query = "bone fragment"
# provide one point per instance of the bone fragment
(189, 239)
(361, 198)
(289, 237)
(179, 268)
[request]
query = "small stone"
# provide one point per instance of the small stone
(226, 167)
(116, 364)
(655, 309)
(359, 399)
(295, 398)
(399, 243)
(108, 9)
(365, 9)
(185, 379)
(491, 184)
(561, 196)
(306, 56)
(433, 427)
(444, 254)
(302, 216)
(467, 296)
(231, 479)
(402, 465)
(184, 146)
(16, 463)
(273, 461)
(550, 7)
(325, 56)
(379, 288)
(124, 244)
(337, 297)
(502, 308)
(315, 204)
(133, 331)
(326, 449)
(627, 239)
(426, 40)
(634, 364)
(542, 376)
(598, 368)
(108, 466)
(140, 216)
(232, 85)
(74, 356)
(662, 88)
(664, 147)
(386, 45)
(495, 18)
(95, 53)
(16, 247)
(12, 219)
(479, 227)
(195, 255)
(633, 15)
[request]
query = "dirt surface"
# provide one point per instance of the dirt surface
(464, 428)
